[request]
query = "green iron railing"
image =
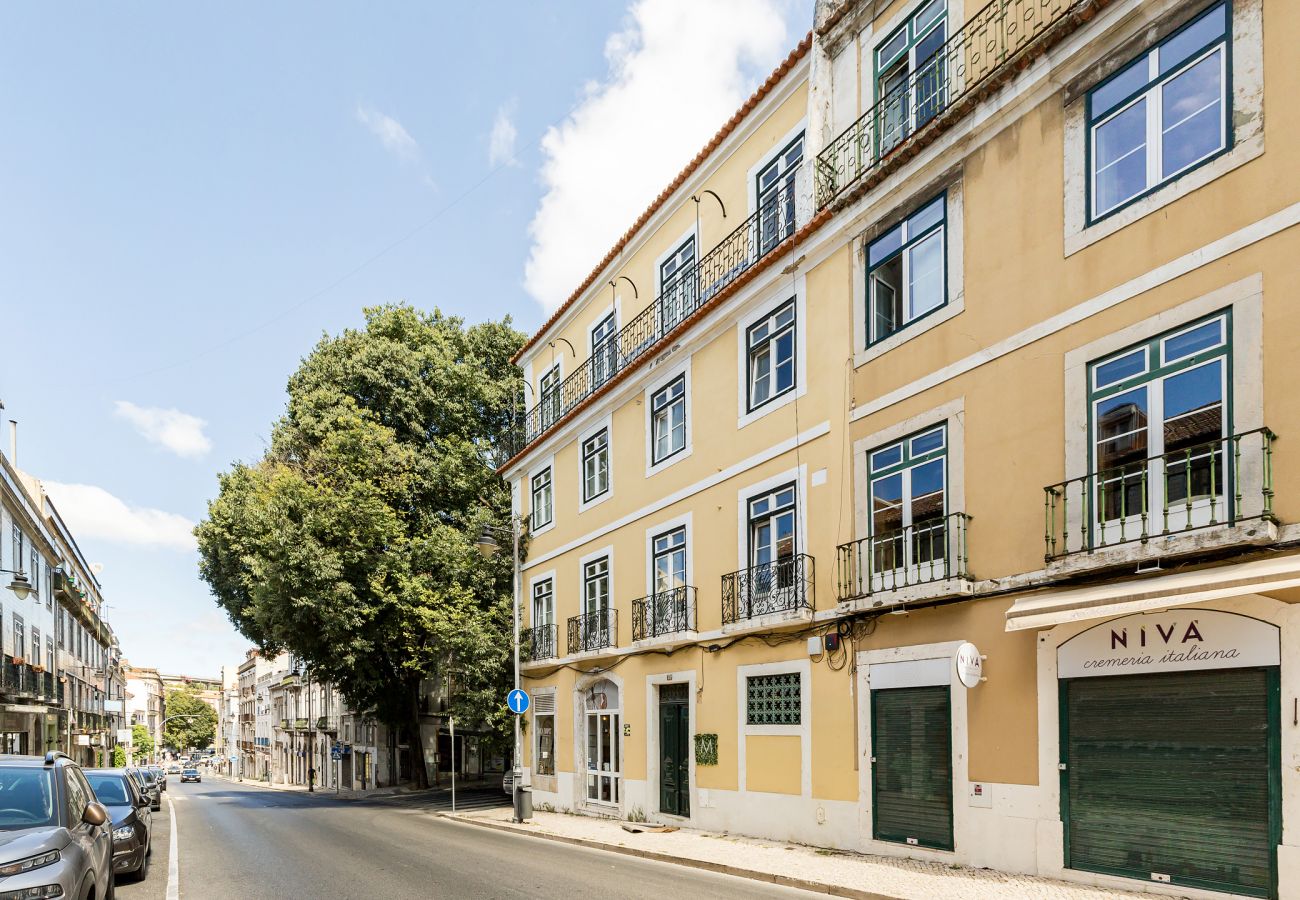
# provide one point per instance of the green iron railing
(1205, 485)
(922, 553)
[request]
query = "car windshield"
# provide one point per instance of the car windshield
(26, 798)
(191, 771)
(109, 789)
(146, 775)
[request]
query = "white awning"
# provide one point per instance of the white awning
(1049, 608)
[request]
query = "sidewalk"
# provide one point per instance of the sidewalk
(834, 872)
(346, 793)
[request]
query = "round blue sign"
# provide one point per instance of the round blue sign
(518, 701)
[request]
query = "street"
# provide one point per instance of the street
(237, 840)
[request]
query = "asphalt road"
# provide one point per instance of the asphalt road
(242, 841)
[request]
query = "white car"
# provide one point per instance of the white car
(508, 783)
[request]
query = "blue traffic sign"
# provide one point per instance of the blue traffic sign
(518, 701)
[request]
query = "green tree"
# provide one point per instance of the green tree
(351, 542)
(198, 726)
(119, 756)
(141, 741)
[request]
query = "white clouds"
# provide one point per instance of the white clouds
(396, 139)
(676, 73)
(501, 143)
(171, 429)
(93, 512)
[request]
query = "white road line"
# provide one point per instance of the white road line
(173, 852)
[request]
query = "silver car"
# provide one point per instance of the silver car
(55, 838)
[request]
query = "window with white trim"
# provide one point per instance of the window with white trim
(775, 191)
(542, 506)
(908, 496)
(771, 349)
(543, 602)
(550, 397)
(911, 81)
(668, 420)
(1161, 115)
(20, 636)
(595, 465)
(604, 349)
(906, 271)
(677, 282)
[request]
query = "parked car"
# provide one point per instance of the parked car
(160, 775)
(508, 782)
(190, 775)
(132, 819)
(174, 769)
(149, 785)
(55, 836)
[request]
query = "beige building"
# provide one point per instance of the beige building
(933, 499)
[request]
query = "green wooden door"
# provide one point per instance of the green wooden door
(911, 766)
(1174, 776)
(674, 750)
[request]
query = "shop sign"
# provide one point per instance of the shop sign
(1177, 640)
(970, 665)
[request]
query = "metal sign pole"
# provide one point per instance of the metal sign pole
(451, 720)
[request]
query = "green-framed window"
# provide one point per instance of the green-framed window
(543, 508)
(770, 351)
(1159, 417)
(1162, 114)
(907, 275)
(595, 465)
(907, 487)
(910, 76)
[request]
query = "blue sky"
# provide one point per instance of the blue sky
(190, 195)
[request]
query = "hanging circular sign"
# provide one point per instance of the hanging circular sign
(970, 665)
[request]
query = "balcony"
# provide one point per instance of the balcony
(284, 724)
(537, 643)
(780, 587)
(664, 613)
(1199, 498)
(995, 43)
(691, 289)
(593, 631)
(924, 560)
(301, 724)
(327, 724)
(19, 680)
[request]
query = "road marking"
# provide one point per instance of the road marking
(174, 851)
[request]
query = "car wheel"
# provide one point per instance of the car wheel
(143, 872)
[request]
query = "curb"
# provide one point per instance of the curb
(819, 887)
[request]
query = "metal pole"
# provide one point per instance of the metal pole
(518, 761)
(451, 720)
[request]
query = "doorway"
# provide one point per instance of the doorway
(674, 749)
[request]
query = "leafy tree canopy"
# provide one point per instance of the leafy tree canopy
(141, 740)
(199, 727)
(351, 542)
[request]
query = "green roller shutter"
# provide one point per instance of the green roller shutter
(911, 771)
(1173, 774)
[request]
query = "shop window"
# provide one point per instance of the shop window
(604, 736)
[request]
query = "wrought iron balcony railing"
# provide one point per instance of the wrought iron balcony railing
(1206, 485)
(922, 553)
(783, 586)
(593, 631)
(300, 724)
(990, 41)
(663, 613)
(690, 289)
(19, 680)
(538, 643)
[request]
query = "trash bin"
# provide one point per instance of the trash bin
(523, 803)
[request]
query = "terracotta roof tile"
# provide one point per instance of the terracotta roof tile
(763, 90)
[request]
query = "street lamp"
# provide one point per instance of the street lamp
(20, 585)
(488, 546)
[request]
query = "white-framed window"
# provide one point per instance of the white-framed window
(911, 79)
(1161, 115)
(775, 191)
(549, 393)
(772, 527)
(543, 512)
(604, 349)
(595, 465)
(604, 741)
(543, 602)
(20, 636)
(595, 586)
(909, 502)
(677, 286)
(19, 544)
(906, 273)
(668, 420)
(668, 560)
(771, 364)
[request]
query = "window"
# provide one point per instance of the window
(775, 190)
(669, 561)
(20, 637)
(771, 356)
(906, 275)
(49, 587)
(595, 465)
(595, 586)
(604, 350)
(550, 397)
(774, 699)
(1158, 424)
(49, 653)
(544, 723)
(668, 420)
(771, 530)
(18, 548)
(36, 646)
(543, 603)
(911, 76)
(79, 793)
(61, 629)
(542, 499)
(1160, 115)
(668, 610)
(908, 506)
(677, 281)
(35, 574)
(603, 736)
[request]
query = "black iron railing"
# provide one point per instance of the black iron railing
(538, 643)
(593, 631)
(990, 40)
(1205, 485)
(663, 613)
(921, 553)
(18, 679)
(690, 289)
(783, 586)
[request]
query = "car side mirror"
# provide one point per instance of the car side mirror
(95, 814)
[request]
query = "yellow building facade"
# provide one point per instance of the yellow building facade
(913, 478)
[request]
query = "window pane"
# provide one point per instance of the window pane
(761, 370)
(891, 47)
(925, 264)
(1121, 160)
(1203, 336)
(928, 15)
(1196, 36)
(1192, 111)
(924, 443)
(1127, 83)
(887, 503)
(890, 456)
(884, 245)
(785, 362)
(1191, 393)
(887, 299)
(924, 218)
(1122, 429)
(927, 491)
(1118, 369)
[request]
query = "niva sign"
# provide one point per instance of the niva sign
(1169, 641)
